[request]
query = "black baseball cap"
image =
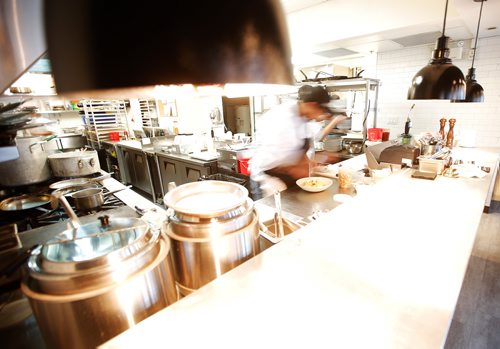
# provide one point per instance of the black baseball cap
(318, 94)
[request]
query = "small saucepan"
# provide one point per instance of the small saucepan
(67, 192)
(91, 198)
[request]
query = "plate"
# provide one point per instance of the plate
(314, 184)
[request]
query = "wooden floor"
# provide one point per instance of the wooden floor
(476, 323)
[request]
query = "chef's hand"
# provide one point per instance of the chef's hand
(335, 121)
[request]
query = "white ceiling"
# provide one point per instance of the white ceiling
(379, 25)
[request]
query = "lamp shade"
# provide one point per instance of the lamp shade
(474, 92)
(440, 79)
(95, 44)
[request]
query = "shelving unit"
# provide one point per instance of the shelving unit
(100, 117)
(148, 115)
(369, 89)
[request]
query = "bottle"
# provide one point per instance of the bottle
(442, 124)
(450, 136)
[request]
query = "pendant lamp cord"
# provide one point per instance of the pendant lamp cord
(477, 33)
(445, 14)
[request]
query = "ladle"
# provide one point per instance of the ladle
(73, 220)
(278, 219)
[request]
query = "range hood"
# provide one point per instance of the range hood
(22, 38)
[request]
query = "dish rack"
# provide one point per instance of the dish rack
(102, 118)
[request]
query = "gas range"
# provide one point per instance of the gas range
(43, 215)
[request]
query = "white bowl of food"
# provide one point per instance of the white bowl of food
(314, 184)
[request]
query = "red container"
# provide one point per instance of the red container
(375, 134)
(386, 134)
(114, 136)
(243, 166)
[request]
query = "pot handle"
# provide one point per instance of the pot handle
(92, 162)
(80, 164)
(41, 143)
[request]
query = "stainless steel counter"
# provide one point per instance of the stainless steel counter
(301, 203)
(185, 158)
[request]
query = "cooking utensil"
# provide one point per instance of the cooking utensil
(278, 219)
(30, 168)
(109, 275)
(24, 202)
(74, 163)
(354, 147)
(78, 181)
(57, 199)
(213, 228)
(92, 198)
(68, 191)
(206, 199)
(11, 106)
(197, 261)
(408, 121)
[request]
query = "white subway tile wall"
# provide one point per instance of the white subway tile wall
(395, 69)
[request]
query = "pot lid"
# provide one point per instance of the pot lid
(73, 154)
(118, 236)
(92, 258)
(206, 199)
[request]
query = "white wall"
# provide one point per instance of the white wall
(194, 113)
(396, 69)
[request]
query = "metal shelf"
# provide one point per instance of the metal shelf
(148, 115)
(370, 88)
(101, 117)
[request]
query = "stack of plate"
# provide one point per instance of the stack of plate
(333, 144)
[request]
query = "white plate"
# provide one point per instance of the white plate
(314, 184)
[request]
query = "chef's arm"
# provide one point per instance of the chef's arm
(334, 122)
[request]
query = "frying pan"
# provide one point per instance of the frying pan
(77, 182)
(24, 202)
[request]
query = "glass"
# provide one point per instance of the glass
(345, 177)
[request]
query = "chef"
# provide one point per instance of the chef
(286, 138)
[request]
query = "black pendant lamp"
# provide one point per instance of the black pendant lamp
(440, 79)
(474, 92)
(97, 45)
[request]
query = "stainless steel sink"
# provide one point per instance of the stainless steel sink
(288, 227)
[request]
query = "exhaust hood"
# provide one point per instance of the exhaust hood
(22, 38)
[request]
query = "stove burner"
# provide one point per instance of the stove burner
(36, 217)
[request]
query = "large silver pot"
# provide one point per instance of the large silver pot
(214, 229)
(74, 163)
(30, 168)
(87, 288)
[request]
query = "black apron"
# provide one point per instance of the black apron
(289, 181)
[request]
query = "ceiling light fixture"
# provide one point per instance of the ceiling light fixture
(474, 92)
(439, 79)
(96, 45)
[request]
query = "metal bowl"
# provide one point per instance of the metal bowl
(354, 147)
